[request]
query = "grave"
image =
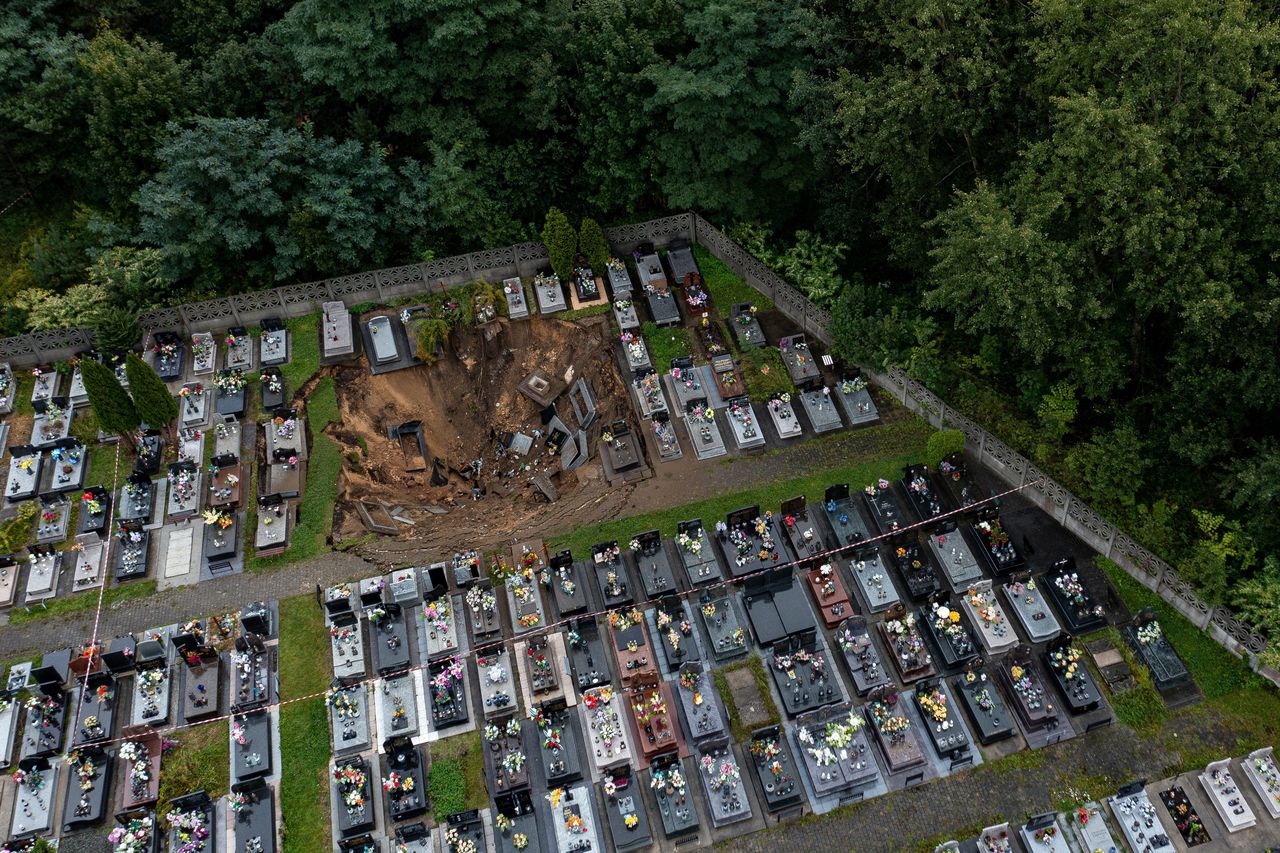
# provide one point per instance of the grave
(194, 403)
(201, 675)
(35, 786)
(274, 522)
(651, 708)
(926, 500)
(608, 744)
(373, 594)
(943, 724)
(959, 483)
(784, 417)
(916, 570)
(725, 374)
(622, 453)
(54, 520)
(657, 290)
(801, 674)
(1260, 769)
(140, 766)
(1081, 612)
(854, 397)
(838, 762)
(8, 388)
(482, 610)
(52, 422)
(995, 839)
(169, 354)
(87, 796)
(346, 646)
(624, 811)
(777, 609)
(950, 633)
(1136, 816)
(336, 332)
(982, 700)
(438, 630)
(829, 594)
(650, 399)
(686, 382)
(352, 794)
(253, 678)
(671, 624)
(696, 554)
(746, 328)
(861, 656)
(45, 565)
(497, 684)
(567, 587)
(624, 312)
(896, 736)
(983, 610)
(704, 434)
(505, 760)
(224, 485)
(699, 703)
(67, 467)
(883, 505)
(1090, 828)
(137, 499)
(951, 551)
(383, 349)
(389, 638)
(98, 699)
(843, 516)
(635, 352)
(254, 824)
(558, 738)
(251, 746)
(668, 781)
(802, 529)
(875, 587)
(541, 388)
(629, 642)
(45, 386)
(752, 542)
(610, 573)
(542, 665)
(619, 278)
(1028, 604)
(516, 823)
(1147, 638)
(184, 491)
(231, 392)
(523, 598)
(273, 345)
(151, 692)
(1044, 832)
(1219, 783)
(95, 512)
(1186, 820)
(573, 819)
(10, 711)
(722, 627)
(150, 452)
(587, 653)
(996, 548)
(414, 838)
(221, 537)
(652, 564)
(513, 291)
(349, 719)
(403, 781)
(911, 658)
(447, 693)
(548, 293)
(722, 784)
(77, 395)
(743, 424)
(1037, 713)
(1070, 675)
(802, 366)
(240, 349)
(820, 409)
(684, 269)
(272, 389)
(664, 434)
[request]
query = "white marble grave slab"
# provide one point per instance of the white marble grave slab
(89, 563)
(995, 631)
(42, 577)
(784, 419)
(1260, 769)
(705, 436)
(744, 425)
(33, 811)
(1219, 783)
(955, 558)
(204, 354)
(608, 743)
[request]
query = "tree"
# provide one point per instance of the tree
(116, 330)
(113, 406)
(82, 305)
(134, 277)
(592, 243)
(561, 242)
(156, 407)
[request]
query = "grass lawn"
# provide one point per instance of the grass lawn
(666, 344)
(304, 726)
(455, 781)
(741, 733)
(304, 352)
(1140, 707)
(199, 763)
(765, 373)
(83, 602)
(856, 474)
(589, 311)
(315, 517)
(725, 286)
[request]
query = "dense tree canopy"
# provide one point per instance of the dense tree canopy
(1062, 215)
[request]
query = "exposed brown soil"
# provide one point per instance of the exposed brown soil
(465, 403)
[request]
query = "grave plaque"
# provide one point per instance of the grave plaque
(55, 520)
(137, 499)
(704, 433)
(42, 576)
(943, 725)
(255, 822)
(861, 657)
(1147, 638)
(657, 290)
(743, 424)
(389, 637)
(448, 692)
(916, 568)
(981, 698)
(253, 680)
(894, 733)
(517, 306)
(843, 516)
(1031, 702)
(151, 693)
(1220, 785)
(650, 398)
(1044, 833)
(1070, 674)
(587, 654)
(608, 743)
(752, 542)
(403, 782)
(67, 467)
(875, 587)
(821, 409)
(883, 505)
(573, 819)
(624, 311)
(635, 351)
(672, 625)
(832, 747)
(947, 628)
(996, 548)
(726, 638)
(632, 651)
(983, 609)
(952, 552)
(169, 355)
(35, 782)
(1080, 610)
(240, 348)
(801, 363)
(549, 293)
(184, 491)
(352, 795)
(829, 593)
(802, 529)
(140, 767)
(482, 612)
(700, 708)
(668, 781)
(336, 332)
(1090, 827)
(651, 709)
(611, 574)
(802, 677)
(926, 500)
(664, 433)
(193, 398)
(746, 328)
(25, 465)
(438, 630)
(558, 738)
(619, 278)
(398, 711)
(784, 417)
(8, 388)
(98, 700)
(907, 650)
(272, 389)
(1261, 771)
(505, 759)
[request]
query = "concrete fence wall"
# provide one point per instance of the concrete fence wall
(526, 259)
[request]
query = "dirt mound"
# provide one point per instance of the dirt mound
(465, 403)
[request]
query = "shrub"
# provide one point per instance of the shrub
(944, 443)
(593, 244)
(156, 406)
(115, 410)
(446, 788)
(116, 330)
(765, 373)
(561, 242)
(14, 532)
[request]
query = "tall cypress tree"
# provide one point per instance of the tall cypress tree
(593, 244)
(116, 412)
(561, 242)
(156, 406)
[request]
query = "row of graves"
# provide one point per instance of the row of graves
(85, 728)
(704, 407)
(1230, 804)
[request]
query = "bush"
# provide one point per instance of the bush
(765, 373)
(561, 242)
(15, 531)
(944, 443)
(593, 244)
(446, 788)
(116, 330)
